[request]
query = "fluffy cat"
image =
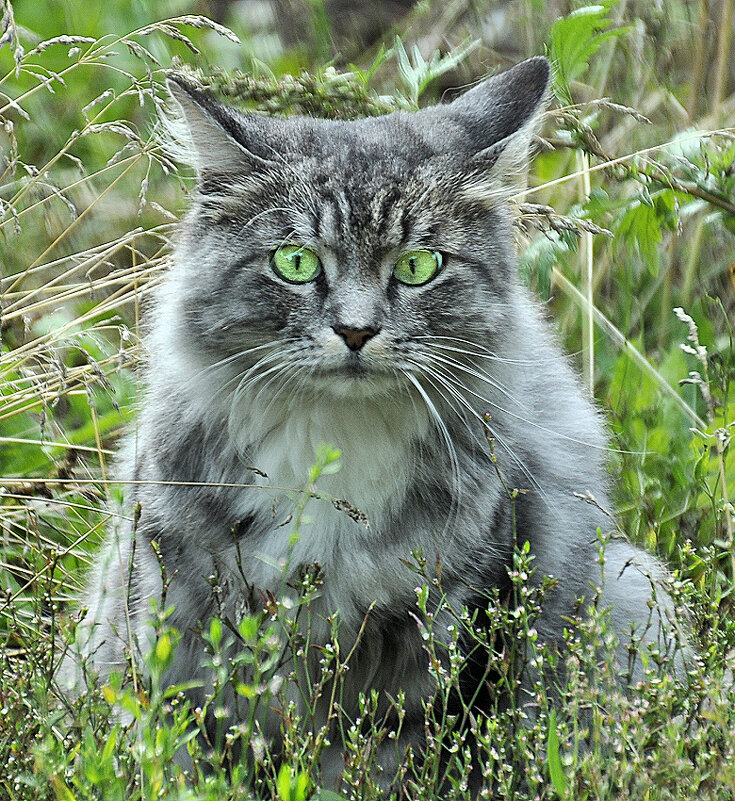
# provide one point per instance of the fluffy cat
(354, 283)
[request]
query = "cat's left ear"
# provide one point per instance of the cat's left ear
(500, 116)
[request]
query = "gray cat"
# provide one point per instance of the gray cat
(354, 283)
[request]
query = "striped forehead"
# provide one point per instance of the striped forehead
(374, 217)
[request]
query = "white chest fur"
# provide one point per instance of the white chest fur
(377, 444)
(374, 438)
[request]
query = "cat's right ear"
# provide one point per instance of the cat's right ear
(206, 134)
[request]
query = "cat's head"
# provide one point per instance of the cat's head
(346, 252)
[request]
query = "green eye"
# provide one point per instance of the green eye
(295, 264)
(417, 266)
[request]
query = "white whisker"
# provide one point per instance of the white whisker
(440, 376)
(478, 373)
(451, 451)
(479, 350)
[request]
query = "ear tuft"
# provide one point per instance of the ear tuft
(201, 132)
(500, 117)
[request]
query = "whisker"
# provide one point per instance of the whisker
(249, 381)
(479, 351)
(260, 214)
(479, 374)
(454, 461)
(528, 421)
(254, 373)
(441, 387)
(289, 373)
(233, 357)
(498, 437)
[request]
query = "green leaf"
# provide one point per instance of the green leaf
(109, 748)
(182, 687)
(163, 648)
(417, 73)
(63, 793)
(215, 631)
(541, 256)
(643, 223)
(283, 783)
(248, 628)
(574, 39)
(365, 76)
(556, 770)
(302, 786)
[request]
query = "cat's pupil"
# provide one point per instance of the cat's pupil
(412, 265)
(297, 261)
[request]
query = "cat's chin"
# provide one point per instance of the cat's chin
(355, 381)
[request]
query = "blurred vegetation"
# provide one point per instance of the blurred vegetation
(630, 214)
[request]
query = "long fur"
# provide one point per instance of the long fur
(248, 371)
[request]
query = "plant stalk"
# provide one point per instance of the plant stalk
(587, 263)
(723, 56)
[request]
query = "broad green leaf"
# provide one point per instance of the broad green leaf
(643, 224)
(283, 783)
(574, 39)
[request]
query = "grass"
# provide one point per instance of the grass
(630, 215)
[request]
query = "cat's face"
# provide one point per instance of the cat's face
(347, 253)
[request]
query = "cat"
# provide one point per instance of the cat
(354, 283)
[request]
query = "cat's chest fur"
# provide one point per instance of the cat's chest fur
(345, 521)
(375, 439)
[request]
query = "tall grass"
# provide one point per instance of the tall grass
(630, 214)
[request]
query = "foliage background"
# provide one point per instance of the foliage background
(643, 221)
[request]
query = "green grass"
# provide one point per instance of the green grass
(643, 222)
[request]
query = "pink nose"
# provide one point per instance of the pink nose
(355, 338)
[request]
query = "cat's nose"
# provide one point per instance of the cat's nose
(355, 338)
